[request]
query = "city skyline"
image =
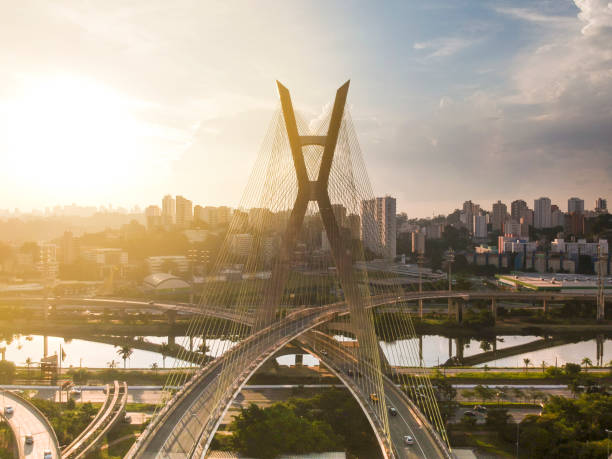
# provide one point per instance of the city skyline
(478, 100)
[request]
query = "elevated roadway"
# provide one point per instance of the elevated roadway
(107, 417)
(408, 421)
(28, 420)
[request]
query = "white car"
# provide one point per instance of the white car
(47, 454)
(8, 410)
(408, 440)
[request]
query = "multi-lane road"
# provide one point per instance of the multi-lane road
(24, 421)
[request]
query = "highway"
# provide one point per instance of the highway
(179, 428)
(26, 420)
(405, 423)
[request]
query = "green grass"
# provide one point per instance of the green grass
(140, 407)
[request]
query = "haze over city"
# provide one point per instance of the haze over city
(317, 230)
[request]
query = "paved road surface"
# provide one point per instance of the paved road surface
(26, 421)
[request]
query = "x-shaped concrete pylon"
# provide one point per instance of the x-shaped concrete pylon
(309, 190)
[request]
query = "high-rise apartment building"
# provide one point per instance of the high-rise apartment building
(557, 218)
(516, 209)
(479, 227)
(379, 226)
(153, 216)
(184, 212)
(601, 206)
(575, 205)
(542, 217)
(168, 210)
(499, 216)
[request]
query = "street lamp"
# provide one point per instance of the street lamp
(517, 438)
(608, 432)
(450, 258)
(420, 259)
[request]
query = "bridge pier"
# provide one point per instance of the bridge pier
(459, 311)
(171, 340)
(545, 306)
(299, 360)
(450, 348)
(599, 339)
(421, 349)
(459, 345)
(494, 310)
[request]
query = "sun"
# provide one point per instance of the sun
(64, 134)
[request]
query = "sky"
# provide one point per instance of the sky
(123, 102)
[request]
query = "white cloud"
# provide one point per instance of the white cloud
(442, 47)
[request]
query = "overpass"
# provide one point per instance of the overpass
(409, 419)
(29, 420)
(108, 416)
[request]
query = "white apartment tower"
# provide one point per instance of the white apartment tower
(168, 210)
(542, 213)
(379, 226)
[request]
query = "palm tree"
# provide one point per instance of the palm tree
(125, 352)
(527, 362)
(28, 362)
(154, 367)
(164, 349)
(112, 364)
(586, 362)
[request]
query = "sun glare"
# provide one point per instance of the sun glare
(63, 132)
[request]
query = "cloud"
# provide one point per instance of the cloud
(442, 47)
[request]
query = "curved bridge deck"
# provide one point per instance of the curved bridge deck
(107, 417)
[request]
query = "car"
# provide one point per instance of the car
(374, 397)
(470, 414)
(75, 392)
(47, 454)
(127, 419)
(480, 408)
(29, 439)
(8, 410)
(408, 440)
(392, 411)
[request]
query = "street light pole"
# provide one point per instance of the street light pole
(420, 259)
(517, 438)
(450, 258)
(608, 432)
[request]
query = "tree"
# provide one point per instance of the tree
(586, 362)
(483, 392)
(28, 362)
(125, 352)
(164, 349)
(497, 418)
(154, 367)
(527, 362)
(7, 372)
(572, 369)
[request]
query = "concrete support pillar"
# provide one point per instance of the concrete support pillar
(450, 308)
(599, 339)
(459, 311)
(421, 349)
(459, 345)
(545, 306)
(171, 340)
(171, 317)
(450, 348)
(45, 346)
(191, 344)
(299, 360)
(420, 308)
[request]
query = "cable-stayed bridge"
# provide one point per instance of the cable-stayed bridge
(309, 218)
